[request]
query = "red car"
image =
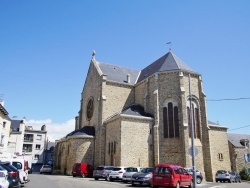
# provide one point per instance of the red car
(170, 175)
(82, 169)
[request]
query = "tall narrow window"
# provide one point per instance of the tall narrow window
(176, 122)
(165, 121)
(196, 121)
(170, 121)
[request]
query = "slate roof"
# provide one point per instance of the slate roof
(117, 73)
(168, 62)
(84, 131)
(15, 125)
(135, 110)
(235, 138)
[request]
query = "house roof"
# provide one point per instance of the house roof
(235, 138)
(117, 73)
(84, 131)
(15, 125)
(3, 110)
(135, 110)
(168, 62)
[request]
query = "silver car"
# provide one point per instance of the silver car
(223, 175)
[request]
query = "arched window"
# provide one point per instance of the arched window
(196, 121)
(170, 121)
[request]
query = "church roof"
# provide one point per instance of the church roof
(118, 74)
(168, 62)
(84, 131)
(235, 139)
(136, 110)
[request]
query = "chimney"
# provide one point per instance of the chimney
(128, 78)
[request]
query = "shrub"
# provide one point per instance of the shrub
(245, 174)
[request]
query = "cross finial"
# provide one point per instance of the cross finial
(93, 54)
(170, 46)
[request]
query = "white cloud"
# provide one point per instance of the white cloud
(55, 131)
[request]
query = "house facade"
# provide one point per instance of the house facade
(143, 117)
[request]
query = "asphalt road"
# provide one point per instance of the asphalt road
(60, 181)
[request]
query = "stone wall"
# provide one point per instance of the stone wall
(74, 150)
(237, 157)
(219, 150)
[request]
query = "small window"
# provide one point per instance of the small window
(39, 137)
(38, 146)
(220, 156)
(36, 156)
(4, 124)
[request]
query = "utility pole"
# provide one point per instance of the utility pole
(192, 133)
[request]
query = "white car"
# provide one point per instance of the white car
(128, 174)
(4, 183)
(117, 173)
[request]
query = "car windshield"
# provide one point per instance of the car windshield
(221, 171)
(46, 166)
(109, 168)
(131, 169)
(100, 168)
(162, 170)
(147, 170)
(116, 169)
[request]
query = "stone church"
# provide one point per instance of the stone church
(142, 117)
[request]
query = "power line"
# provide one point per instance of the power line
(239, 128)
(236, 99)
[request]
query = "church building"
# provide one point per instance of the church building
(142, 118)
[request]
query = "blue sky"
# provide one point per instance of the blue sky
(46, 47)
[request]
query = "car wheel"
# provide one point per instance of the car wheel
(132, 183)
(177, 185)
(198, 180)
(96, 178)
(239, 181)
(74, 175)
(229, 181)
(111, 179)
(83, 175)
(154, 186)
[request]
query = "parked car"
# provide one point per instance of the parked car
(143, 177)
(46, 169)
(13, 174)
(3, 179)
(128, 174)
(170, 175)
(117, 173)
(82, 169)
(223, 175)
(199, 176)
(21, 166)
(235, 177)
(102, 172)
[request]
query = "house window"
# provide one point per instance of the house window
(196, 121)
(39, 137)
(220, 156)
(38, 146)
(170, 121)
(36, 156)
(247, 157)
(4, 124)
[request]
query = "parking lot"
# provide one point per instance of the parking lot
(61, 181)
